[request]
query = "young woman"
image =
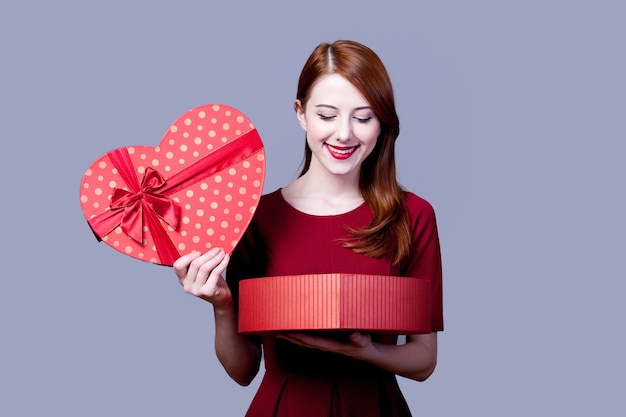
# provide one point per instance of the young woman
(345, 213)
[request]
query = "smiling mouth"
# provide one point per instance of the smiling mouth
(341, 152)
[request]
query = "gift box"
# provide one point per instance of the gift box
(332, 302)
(197, 189)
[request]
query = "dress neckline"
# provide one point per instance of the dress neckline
(284, 201)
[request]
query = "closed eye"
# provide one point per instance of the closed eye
(325, 116)
(363, 119)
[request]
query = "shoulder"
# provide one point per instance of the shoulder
(271, 199)
(417, 205)
(268, 204)
(421, 213)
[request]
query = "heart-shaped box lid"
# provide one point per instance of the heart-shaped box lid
(196, 190)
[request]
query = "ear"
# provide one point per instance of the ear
(300, 114)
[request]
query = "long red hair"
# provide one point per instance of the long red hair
(389, 232)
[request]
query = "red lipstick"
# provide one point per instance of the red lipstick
(341, 152)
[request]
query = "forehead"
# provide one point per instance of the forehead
(333, 89)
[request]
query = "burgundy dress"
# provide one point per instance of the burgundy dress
(302, 382)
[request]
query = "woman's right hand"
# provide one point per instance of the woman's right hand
(201, 275)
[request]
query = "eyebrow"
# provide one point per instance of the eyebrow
(335, 108)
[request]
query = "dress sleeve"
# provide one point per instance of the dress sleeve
(424, 260)
(246, 261)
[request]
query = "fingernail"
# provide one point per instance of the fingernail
(213, 251)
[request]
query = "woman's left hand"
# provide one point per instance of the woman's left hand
(415, 359)
(358, 345)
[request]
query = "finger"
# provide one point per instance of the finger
(218, 270)
(181, 265)
(294, 340)
(207, 262)
(200, 262)
(301, 338)
(189, 279)
(357, 338)
(203, 268)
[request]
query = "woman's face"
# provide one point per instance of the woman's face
(340, 126)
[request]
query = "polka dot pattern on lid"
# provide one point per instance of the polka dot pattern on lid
(212, 162)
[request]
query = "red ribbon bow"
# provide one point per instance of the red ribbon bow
(136, 204)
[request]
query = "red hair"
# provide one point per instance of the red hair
(389, 232)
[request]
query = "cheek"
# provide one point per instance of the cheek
(318, 130)
(369, 134)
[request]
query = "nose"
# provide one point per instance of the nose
(344, 130)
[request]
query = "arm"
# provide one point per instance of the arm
(201, 275)
(239, 357)
(415, 360)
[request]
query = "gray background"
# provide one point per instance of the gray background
(513, 123)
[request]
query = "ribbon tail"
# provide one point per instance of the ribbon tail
(164, 246)
(165, 208)
(132, 222)
(94, 233)
(104, 223)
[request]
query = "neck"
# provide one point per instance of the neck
(321, 183)
(322, 193)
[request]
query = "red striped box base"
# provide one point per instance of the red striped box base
(334, 302)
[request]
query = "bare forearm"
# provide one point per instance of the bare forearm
(201, 275)
(415, 360)
(239, 357)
